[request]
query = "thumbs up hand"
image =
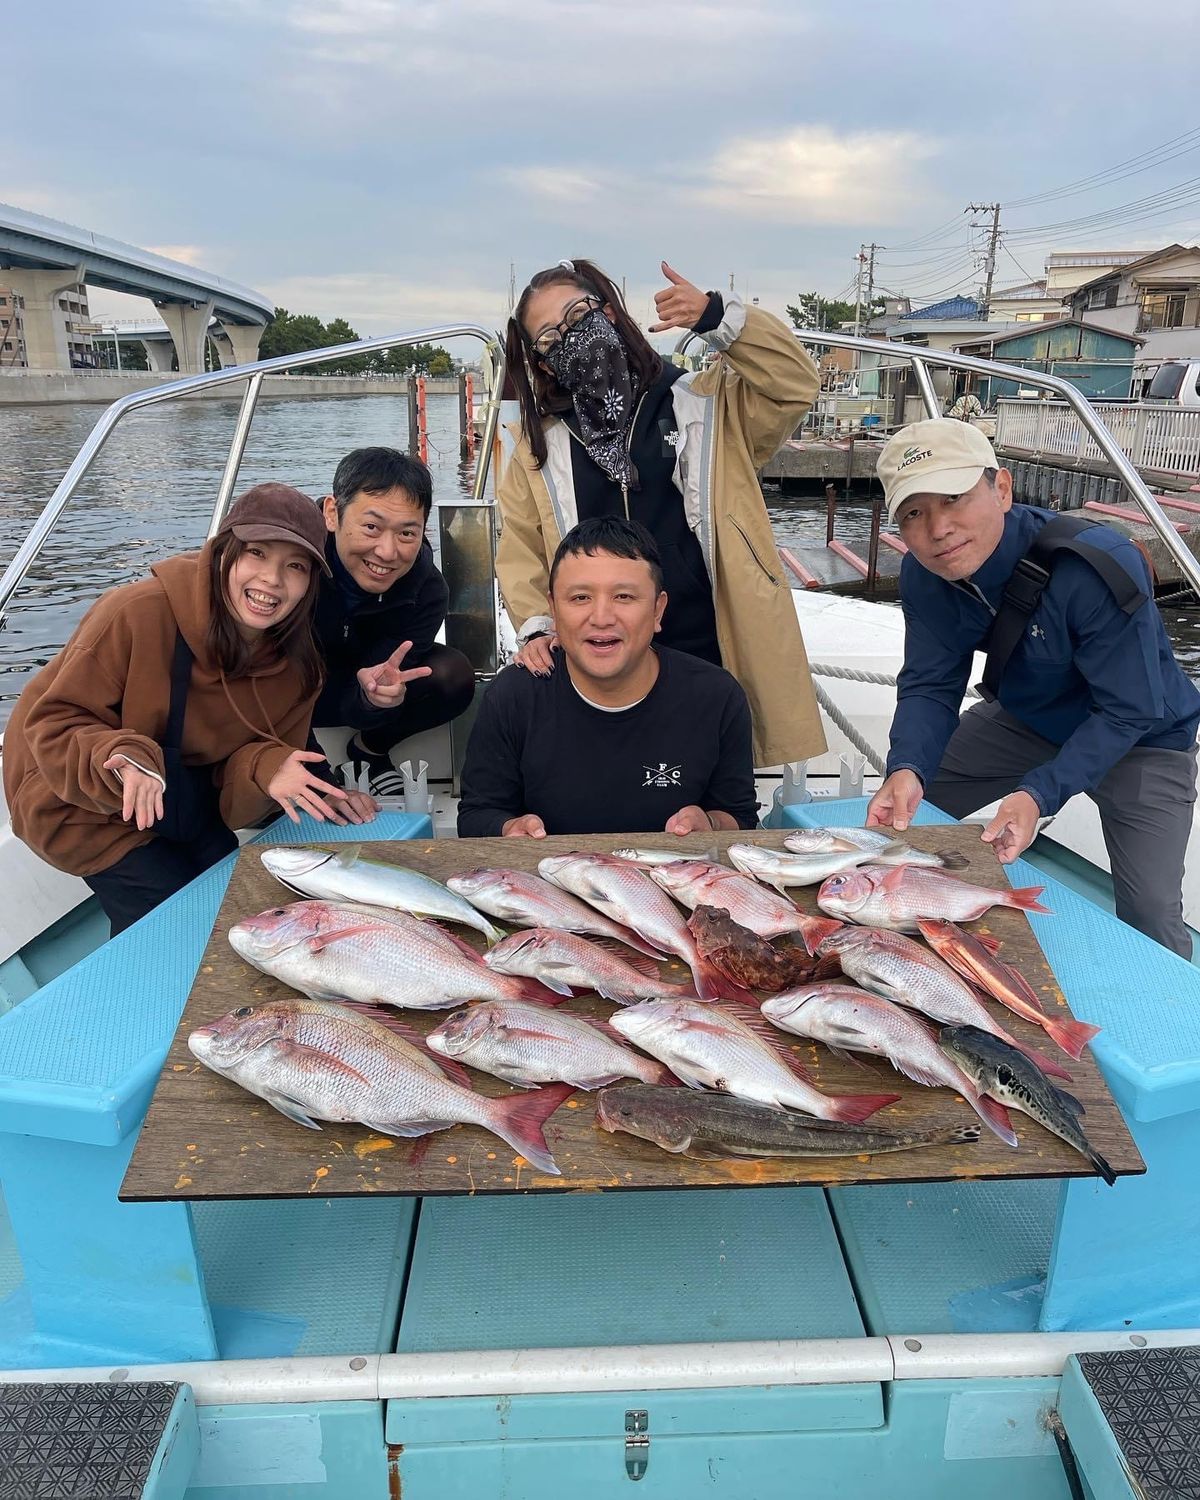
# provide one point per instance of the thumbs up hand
(384, 686)
(679, 305)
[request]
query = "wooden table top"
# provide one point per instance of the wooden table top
(205, 1137)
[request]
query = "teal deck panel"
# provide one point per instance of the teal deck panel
(304, 1277)
(629, 1268)
(948, 1257)
(79, 1059)
(1146, 998)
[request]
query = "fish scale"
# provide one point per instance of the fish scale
(525, 900)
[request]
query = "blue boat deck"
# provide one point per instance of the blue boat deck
(85, 1280)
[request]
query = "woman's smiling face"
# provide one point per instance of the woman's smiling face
(265, 583)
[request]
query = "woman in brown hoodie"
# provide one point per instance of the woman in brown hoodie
(179, 711)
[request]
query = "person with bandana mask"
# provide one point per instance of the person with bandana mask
(608, 428)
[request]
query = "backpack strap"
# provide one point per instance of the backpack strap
(1028, 582)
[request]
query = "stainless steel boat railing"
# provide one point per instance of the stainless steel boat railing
(253, 376)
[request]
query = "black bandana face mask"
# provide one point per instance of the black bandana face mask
(591, 363)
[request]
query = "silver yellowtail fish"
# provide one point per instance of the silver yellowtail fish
(646, 857)
(627, 895)
(847, 1019)
(528, 1044)
(892, 965)
(879, 848)
(715, 1126)
(346, 875)
(709, 1047)
(565, 962)
(898, 897)
(525, 900)
(314, 1061)
(1009, 1077)
(332, 952)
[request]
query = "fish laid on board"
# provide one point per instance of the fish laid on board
(1011, 1079)
(696, 883)
(528, 1044)
(628, 896)
(847, 1019)
(975, 959)
(881, 848)
(897, 897)
(525, 900)
(346, 875)
(716, 1126)
(646, 857)
(565, 962)
(743, 956)
(781, 868)
(709, 1047)
(314, 1061)
(332, 952)
(899, 969)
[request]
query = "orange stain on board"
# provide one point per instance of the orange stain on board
(182, 1182)
(317, 1176)
(371, 1145)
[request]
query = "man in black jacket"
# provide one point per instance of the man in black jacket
(378, 615)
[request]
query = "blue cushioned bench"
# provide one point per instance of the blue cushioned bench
(1110, 1256)
(78, 1063)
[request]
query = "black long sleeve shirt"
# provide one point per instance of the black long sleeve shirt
(539, 747)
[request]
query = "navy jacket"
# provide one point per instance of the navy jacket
(356, 629)
(1084, 676)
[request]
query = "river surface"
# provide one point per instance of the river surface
(150, 493)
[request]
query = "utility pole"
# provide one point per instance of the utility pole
(871, 278)
(858, 281)
(993, 246)
(731, 281)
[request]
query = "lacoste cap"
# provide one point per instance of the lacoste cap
(278, 513)
(936, 457)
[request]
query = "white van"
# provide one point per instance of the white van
(1176, 382)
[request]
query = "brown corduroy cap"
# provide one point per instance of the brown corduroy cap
(278, 513)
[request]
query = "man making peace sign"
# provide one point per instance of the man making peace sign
(379, 613)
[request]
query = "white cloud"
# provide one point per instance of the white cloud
(810, 174)
(190, 255)
(377, 303)
(557, 184)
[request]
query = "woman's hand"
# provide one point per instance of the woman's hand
(537, 655)
(293, 787)
(141, 793)
(360, 807)
(680, 305)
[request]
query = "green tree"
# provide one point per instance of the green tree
(811, 310)
(440, 363)
(339, 332)
(291, 333)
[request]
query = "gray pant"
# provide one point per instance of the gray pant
(1145, 805)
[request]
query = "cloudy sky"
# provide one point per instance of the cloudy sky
(387, 160)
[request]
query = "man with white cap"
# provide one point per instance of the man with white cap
(1082, 692)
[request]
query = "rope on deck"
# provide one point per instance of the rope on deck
(848, 729)
(856, 674)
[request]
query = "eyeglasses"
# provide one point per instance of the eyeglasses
(573, 315)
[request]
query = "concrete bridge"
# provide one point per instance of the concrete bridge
(40, 258)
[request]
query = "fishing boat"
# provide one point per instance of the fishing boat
(1038, 1337)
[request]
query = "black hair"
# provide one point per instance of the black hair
(377, 470)
(538, 392)
(990, 476)
(617, 537)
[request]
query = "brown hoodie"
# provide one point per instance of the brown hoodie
(108, 691)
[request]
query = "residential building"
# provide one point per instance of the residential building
(12, 330)
(1027, 302)
(1098, 361)
(1067, 270)
(1156, 296)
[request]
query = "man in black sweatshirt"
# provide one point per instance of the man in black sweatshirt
(378, 615)
(621, 736)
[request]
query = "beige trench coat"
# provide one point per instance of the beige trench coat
(732, 418)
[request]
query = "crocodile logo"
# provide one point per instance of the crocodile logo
(913, 455)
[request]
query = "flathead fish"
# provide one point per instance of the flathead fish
(709, 1047)
(346, 875)
(332, 952)
(716, 1126)
(898, 897)
(892, 965)
(879, 848)
(750, 904)
(525, 900)
(528, 1044)
(1009, 1077)
(743, 956)
(976, 960)
(628, 896)
(847, 1019)
(314, 1061)
(565, 962)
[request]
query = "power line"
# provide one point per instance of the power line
(1188, 141)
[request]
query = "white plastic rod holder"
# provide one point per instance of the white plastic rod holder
(416, 786)
(851, 769)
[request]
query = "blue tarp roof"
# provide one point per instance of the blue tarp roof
(952, 307)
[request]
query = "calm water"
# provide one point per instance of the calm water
(151, 491)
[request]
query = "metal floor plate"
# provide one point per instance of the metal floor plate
(628, 1268)
(1151, 1401)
